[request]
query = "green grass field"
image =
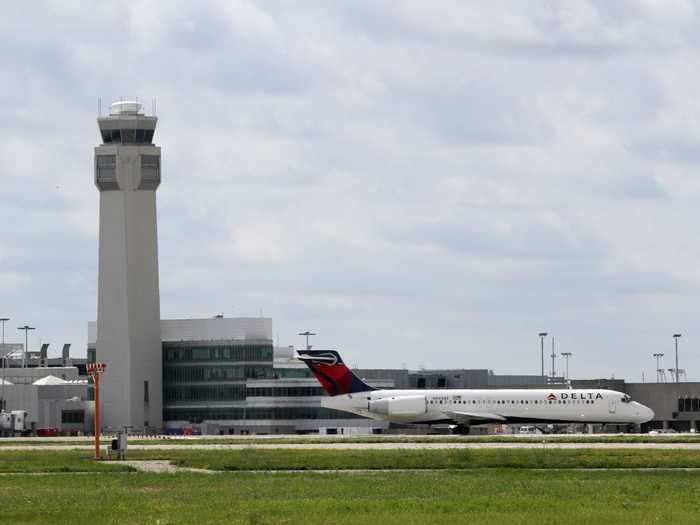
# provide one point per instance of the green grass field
(54, 461)
(475, 485)
(480, 496)
(280, 459)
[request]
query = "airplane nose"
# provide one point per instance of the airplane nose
(648, 414)
(644, 413)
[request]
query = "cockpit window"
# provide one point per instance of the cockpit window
(626, 399)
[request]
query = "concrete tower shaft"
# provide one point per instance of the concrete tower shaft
(127, 174)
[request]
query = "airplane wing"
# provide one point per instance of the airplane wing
(459, 415)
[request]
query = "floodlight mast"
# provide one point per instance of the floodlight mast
(26, 329)
(3, 320)
(566, 356)
(553, 356)
(675, 338)
(542, 335)
(307, 334)
(658, 357)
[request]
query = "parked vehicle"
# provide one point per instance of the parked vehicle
(20, 421)
(528, 429)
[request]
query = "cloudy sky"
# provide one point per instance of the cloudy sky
(421, 183)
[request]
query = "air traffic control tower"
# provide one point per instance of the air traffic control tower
(127, 175)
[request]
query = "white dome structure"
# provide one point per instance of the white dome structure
(50, 380)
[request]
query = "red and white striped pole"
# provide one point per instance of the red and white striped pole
(95, 370)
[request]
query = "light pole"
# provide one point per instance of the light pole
(676, 337)
(566, 356)
(553, 356)
(26, 329)
(542, 335)
(3, 403)
(307, 334)
(658, 366)
(3, 320)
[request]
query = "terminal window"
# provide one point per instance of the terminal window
(689, 404)
(72, 416)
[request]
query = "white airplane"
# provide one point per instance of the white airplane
(464, 407)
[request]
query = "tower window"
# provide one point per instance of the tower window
(127, 136)
(106, 172)
(150, 172)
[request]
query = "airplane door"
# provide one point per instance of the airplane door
(612, 407)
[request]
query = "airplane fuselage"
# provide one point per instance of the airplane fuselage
(467, 406)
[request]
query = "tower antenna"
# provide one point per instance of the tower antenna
(99, 107)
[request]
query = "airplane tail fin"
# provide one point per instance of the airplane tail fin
(331, 372)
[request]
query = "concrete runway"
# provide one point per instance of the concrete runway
(368, 446)
(348, 437)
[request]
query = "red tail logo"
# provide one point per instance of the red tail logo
(331, 372)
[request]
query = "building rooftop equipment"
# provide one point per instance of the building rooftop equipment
(49, 380)
(124, 107)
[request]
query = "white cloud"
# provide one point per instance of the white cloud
(420, 183)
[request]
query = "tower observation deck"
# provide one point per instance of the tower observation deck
(127, 175)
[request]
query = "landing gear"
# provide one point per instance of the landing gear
(460, 429)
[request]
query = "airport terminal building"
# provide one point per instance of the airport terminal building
(224, 376)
